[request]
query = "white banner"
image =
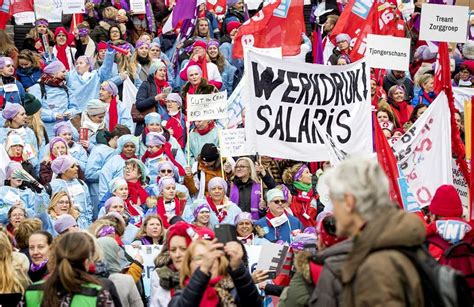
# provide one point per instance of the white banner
(388, 52)
(233, 143)
(461, 96)
(424, 152)
(137, 6)
(207, 107)
(24, 17)
(287, 104)
(49, 10)
(444, 23)
(74, 6)
(148, 253)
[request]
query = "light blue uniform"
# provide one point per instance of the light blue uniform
(79, 194)
(113, 168)
(197, 141)
(124, 116)
(152, 164)
(80, 154)
(29, 138)
(31, 200)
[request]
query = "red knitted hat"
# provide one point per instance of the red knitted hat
(101, 45)
(60, 30)
(232, 25)
(446, 202)
(200, 43)
(179, 229)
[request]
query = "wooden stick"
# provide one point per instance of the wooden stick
(188, 154)
(220, 154)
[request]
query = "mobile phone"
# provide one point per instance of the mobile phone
(225, 233)
(272, 274)
(167, 90)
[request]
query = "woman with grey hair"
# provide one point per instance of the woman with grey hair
(375, 272)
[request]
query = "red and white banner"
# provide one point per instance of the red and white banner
(424, 152)
(279, 24)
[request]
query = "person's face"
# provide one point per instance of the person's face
(82, 66)
(420, 111)
(387, 133)
(16, 150)
(131, 173)
(194, 78)
(457, 119)
(38, 248)
(464, 74)
(153, 148)
(277, 206)
(160, 74)
(59, 149)
(242, 169)
(306, 177)
(326, 165)
(399, 95)
(201, 124)
(104, 95)
(344, 45)
(166, 173)
(217, 193)
(172, 106)
(398, 74)
(62, 206)
(155, 52)
(23, 63)
(328, 26)
(343, 217)
(129, 150)
(397, 134)
(154, 127)
(60, 74)
(61, 39)
(16, 217)
(244, 228)
(114, 34)
(42, 29)
(143, 50)
(67, 136)
(203, 27)
(154, 228)
(15, 183)
(8, 70)
(213, 51)
(21, 118)
(382, 117)
(101, 54)
(203, 217)
(373, 87)
(98, 118)
(122, 192)
(117, 206)
(177, 250)
(428, 86)
(72, 172)
(239, 5)
(169, 192)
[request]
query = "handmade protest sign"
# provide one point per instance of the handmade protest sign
(137, 6)
(207, 107)
(233, 143)
(74, 6)
(388, 52)
(290, 104)
(49, 10)
(461, 187)
(253, 254)
(148, 253)
(425, 145)
(272, 257)
(444, 23)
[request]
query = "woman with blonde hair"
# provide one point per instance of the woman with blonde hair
(59, 205)
(34, 38)
(7, 47)
(214, 275)
(29, 68)
(151, 231)
(246, 190)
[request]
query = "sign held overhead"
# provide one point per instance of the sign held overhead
(388, 52)
(444, 23)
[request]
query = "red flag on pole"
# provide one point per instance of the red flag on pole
(278, 24)
(387, 161)
(20, 6)
(76, 19)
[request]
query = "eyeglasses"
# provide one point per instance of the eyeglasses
(278, 202)
(166, 171)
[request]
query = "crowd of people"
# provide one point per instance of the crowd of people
(90, 169)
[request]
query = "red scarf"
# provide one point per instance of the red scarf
(210, 296)
(246, 240)
(125, 158)
(166, 149)
(202, 62)
(301, 204)
(427, 97)
(192, 89)
(160, 85)
(206, 130)
(403, 113)
(62, 55)
(17, 159)
(221, 214)
(135, 191)
(160, 209)
(113, 113)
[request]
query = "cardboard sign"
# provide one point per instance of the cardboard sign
(461, 187)
(444, 23)
(74, 7)
(388, 52)
(253, 254)
(207, 107)
(49, 10)
(137, 6)
(24, 17)
(233, 143)
(148, 253)
(272, 257)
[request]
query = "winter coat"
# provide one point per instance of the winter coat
(197, 141)
(129, 295)
(12, 94)
(112, 168)
(246, 293)
(389, 80)
(285, 230)
(70, 54)
(146, 100)
(28, 77)
(375, 274)
(228, 78)
(194, 183)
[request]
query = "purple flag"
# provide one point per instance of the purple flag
(317, 46)
(184, 9)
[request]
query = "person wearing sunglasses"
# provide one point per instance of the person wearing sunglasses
(167, 169)
(277, 225)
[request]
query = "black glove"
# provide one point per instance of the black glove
(36, 186)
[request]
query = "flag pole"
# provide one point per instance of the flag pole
(220, 153)
(188, 152)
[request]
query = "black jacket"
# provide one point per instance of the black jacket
(145, 99)
(191, 295)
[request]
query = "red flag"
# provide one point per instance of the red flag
(278, 24)
(76, 19)
(442, 82)
(387, 161)
(20, 6)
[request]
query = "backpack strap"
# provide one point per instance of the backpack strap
(439, 242)
(43, 91)
(174, 151)
(453, 247)
(86, 291)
